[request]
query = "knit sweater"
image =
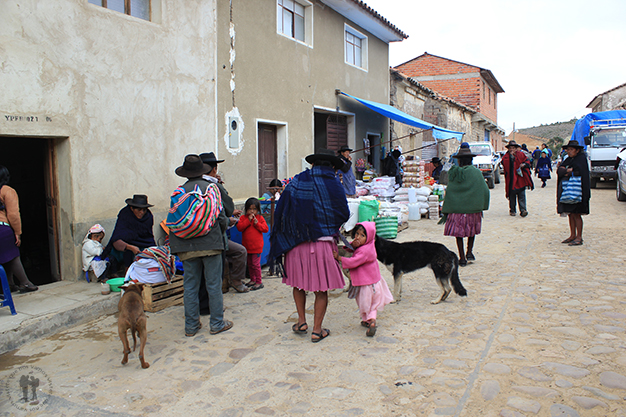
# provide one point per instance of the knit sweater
(11, 212)
(252, 234)
(363, 265)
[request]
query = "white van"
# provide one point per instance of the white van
(487, 160)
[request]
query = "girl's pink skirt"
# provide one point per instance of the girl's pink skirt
(310, 266)
(372, 298)
(463, 225)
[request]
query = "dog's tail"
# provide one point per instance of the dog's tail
(454, 278)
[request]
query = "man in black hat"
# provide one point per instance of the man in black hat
(346, 175)
(517, 177)
(235, 253)
(201, 253)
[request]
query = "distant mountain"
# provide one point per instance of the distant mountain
(561, 129)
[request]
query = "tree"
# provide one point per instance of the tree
(555, 145)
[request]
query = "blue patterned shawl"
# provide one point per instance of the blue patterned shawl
(312, 205)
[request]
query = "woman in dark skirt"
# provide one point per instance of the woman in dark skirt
(11, 235)
(574, 165)
(467, 196)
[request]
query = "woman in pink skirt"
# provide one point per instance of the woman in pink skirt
(467, 196)
(309, 213)
(368, 288)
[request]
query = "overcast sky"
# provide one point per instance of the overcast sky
(551, 57)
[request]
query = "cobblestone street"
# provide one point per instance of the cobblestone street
(541, 333)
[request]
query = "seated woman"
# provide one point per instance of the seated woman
(132, 233)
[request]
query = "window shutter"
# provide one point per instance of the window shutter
(336, 132)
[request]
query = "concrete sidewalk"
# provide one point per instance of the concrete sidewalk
(54, 307)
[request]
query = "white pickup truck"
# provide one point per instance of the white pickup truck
(487, 160)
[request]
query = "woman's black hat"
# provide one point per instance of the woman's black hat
(572, 144)
(435, 160)
(344, 148)
(139, 200)
(192, 167)
(463, 152)
(325, 155)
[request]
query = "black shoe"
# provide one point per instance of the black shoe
(470, 256)
(463, 262)
(28, 288)
(524, 213)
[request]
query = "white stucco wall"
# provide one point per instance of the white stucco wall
(125, 99)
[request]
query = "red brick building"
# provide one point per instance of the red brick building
(467, 84)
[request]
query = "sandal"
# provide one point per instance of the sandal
(256, 287)
(320, 336)
(27, 288)
(569, 239)
(194, 333)
(227, 326)
(365, 324)
(371, 330)
(299, 328)
(575, 243)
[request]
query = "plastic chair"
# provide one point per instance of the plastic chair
(7, 299)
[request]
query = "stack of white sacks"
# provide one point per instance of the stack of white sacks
(383, 186)
(433, 207)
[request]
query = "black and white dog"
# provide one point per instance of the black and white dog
(405, 257)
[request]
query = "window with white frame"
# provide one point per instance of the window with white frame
(135, 8)
(356, 47)
(291, 19)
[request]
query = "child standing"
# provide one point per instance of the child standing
(92, 247)
(544, 167)
(370, 290)
(252, 226)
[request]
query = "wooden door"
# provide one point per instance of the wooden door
(268, 169)
(336, 132)
(52, 210)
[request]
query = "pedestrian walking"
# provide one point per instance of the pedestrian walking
(575, 170)
(311, 210)
(467, 196)
(517, 178)
(543, 168)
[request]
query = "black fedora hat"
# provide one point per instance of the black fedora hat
(572, 144)
(344, 148)
(463, 152)
(139, 200)
(325, 155)
(192, 167)
(435, 160)
(512, 143)
(209, 158)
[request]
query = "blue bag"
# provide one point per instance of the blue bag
(572, 191)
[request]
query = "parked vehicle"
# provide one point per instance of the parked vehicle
(621, 176)
(603, 135)
(487, 160)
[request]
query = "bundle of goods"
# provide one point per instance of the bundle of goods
(362, 188)
(399, 211)
(383, 186)
(368, 209)
(433, 207)
(353, 206)
(387, 227)
(369, 174)
(410, 176)
(402, 195)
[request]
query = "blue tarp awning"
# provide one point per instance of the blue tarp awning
(395, 114)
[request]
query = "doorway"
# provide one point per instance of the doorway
(268, 169)
(374, 156)
(31, 164)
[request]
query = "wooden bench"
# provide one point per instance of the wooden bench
(156, 297)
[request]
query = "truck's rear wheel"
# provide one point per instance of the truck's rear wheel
(593, 182)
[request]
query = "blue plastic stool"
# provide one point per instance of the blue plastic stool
(7, 299)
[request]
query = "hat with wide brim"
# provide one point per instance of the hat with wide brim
(511, 144)
(463, 152)
(325, 155)
(572, 144)
(344, 148)
(209, 158)
(435, 160)
(139, 200)
(192, 167)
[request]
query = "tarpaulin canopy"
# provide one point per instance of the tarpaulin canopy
(395, 114)
(582, 127)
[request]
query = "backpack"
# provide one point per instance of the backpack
(193, 214)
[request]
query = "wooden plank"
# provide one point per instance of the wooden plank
(167, 302)
(156, 297)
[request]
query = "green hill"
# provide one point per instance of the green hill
(561, 129)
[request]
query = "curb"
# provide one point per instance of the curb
(52, 323)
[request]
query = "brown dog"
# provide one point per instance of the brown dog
(132, 317)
